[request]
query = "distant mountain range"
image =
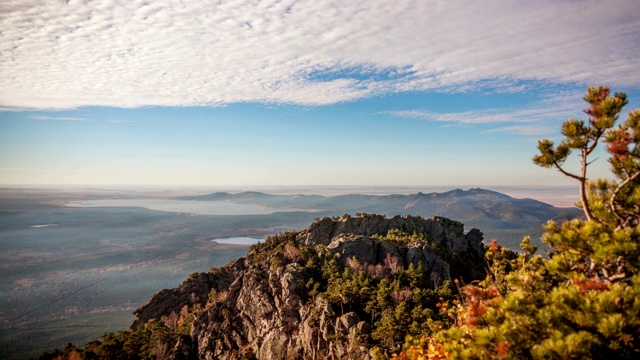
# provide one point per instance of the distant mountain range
(498, 215)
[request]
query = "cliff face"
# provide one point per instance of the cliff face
(280, 302)
(446, 232)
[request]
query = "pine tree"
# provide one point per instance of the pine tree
(583, 301)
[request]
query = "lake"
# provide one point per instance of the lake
(238, 241)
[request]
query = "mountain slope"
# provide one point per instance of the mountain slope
(337, 290)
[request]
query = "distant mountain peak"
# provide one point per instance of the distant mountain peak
(251, 193)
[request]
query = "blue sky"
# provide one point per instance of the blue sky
(387, 93)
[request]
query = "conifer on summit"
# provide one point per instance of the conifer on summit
(581, 302)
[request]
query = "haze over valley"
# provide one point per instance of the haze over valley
(77, 263)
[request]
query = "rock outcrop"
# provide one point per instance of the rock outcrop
(263, 306)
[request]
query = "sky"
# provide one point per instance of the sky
(292, 92)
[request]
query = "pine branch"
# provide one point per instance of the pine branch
(564, 172)
(622, 221)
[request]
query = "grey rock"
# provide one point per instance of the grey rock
(364, 327)
(266, 312)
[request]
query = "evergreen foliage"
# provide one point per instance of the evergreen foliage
(583, 301)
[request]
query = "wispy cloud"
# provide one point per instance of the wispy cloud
(526, 130)
(491, 116)
(58, 118)
(537, 118)
(175, 53)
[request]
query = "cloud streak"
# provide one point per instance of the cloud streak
(491, 116)
(138, 53)
(57, 118)
(537, 118)
(525, 130)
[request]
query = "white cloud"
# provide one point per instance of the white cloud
(537, 118)
(58, 118)
(57, 54)
(526, 130)
(532, 113)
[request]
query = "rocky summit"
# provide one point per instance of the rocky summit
(343, 288)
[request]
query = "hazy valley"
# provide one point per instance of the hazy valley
(71, 273)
